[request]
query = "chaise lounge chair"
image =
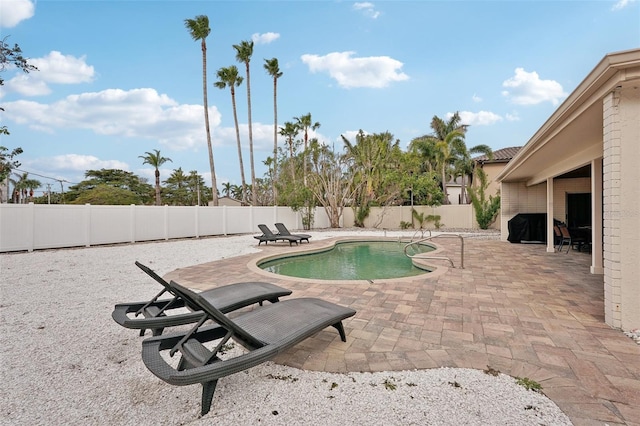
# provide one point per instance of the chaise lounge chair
(282, 230)
(267, 236)
(153, 314)
(265, 332)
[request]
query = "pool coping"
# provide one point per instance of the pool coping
(432, 270)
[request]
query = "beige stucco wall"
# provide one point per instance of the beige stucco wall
(453, 216)
(621, 216)
(492, 170)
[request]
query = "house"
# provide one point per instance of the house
(582, 166)
(227, 201)
(494, 166)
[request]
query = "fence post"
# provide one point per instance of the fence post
(197, 221)
(166, 221)
(87, 229)
(132, 223)
(32, 223)
(224, 220)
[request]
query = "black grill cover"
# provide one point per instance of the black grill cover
(530, 227)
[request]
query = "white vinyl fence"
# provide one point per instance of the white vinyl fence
(28, 227)
(44, 226)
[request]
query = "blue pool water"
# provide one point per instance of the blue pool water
(361, 260)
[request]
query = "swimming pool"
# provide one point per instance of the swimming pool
(350, 260)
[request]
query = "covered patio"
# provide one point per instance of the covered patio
(590, 146)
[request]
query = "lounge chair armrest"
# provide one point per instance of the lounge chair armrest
(152, 358)
(120, 316)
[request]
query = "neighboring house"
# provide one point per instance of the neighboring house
(227, 201)
(582, 167)
(494, 166)
(454, 189)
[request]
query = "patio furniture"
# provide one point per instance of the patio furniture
(268, 235)
(572, 241)
(561, 239)
(282, 230)
(265, 332)
(157, 314)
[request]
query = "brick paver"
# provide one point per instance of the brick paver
(514, 307)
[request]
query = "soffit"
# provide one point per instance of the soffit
(572, 136)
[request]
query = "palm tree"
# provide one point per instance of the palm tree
(199, 30)
(290, 131)
(154, 159)
(448, 138)
(229, 77)
(463, 165)
(272, 67)
(226, 188)
(244, 51)
(305, 123)
(24, 187)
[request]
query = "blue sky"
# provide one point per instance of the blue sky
(119, 78)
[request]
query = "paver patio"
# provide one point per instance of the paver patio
(514, 307)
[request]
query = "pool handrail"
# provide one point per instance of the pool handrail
(425, 256)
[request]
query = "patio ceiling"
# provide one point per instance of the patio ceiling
(572, 137)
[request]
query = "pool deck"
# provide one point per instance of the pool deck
(514, 308)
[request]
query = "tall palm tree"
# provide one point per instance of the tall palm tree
(448, 137)
(229, 77)
(199, 30)
(244, 51)
(305, 123)
(463, 165)
(155, 160)
(290, 131)
(273, 69)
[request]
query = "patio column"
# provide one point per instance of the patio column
(621, 174)
(597, 266)
(550, 236)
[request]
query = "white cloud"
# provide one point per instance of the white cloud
(62, 69)
(526, 88)
(137, 113)
(54, 68)
(621, 4)
(513, 116)
(265, 38)
(476, 98)
(481, 118)
(12, 12)
(349, 72)
(367, 8)
(78, 162)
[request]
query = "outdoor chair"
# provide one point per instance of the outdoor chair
(265, 332)
(569, 239)
(159, 314)
(282, 230)
(268, 235)
(560, 239)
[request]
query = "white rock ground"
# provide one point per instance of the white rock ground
(65, 361)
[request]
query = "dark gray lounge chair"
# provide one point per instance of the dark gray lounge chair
(153, 314)
(265, 332)
(282, 230)
(268, 235)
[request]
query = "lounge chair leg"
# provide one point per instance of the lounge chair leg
(142, 332)
(208, 388)
(157, 331)
(338, 326)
